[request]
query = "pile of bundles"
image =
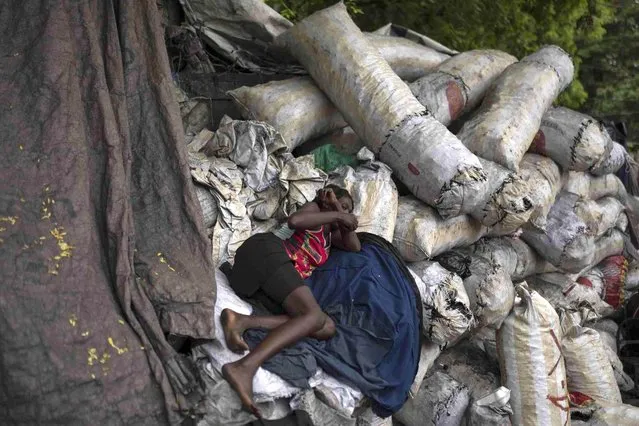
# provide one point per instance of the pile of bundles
(515, 228)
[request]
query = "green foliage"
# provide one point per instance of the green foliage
(294, 10)
(611, 70)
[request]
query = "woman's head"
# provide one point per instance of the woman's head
(342, 196)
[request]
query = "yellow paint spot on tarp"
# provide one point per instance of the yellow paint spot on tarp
(73, 320)
(9, 219)
(93, 356)
(121, 322)
(163, 260)
(21, 147)
(86, 333)
(65, 249)
(93, 376)
(120, 351)
(105, 357)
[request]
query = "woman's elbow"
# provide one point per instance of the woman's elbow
(293, 221)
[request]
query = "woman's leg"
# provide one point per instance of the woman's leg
(306, 318)
(235, 324)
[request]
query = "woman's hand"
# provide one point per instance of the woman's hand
(347, 221)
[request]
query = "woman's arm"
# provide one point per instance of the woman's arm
(310, 217)
(345, 240)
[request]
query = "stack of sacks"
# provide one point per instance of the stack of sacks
(252, 179)
(381, 109)
(300, 111)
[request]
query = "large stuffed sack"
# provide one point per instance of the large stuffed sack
(594, 279)
(564, 293)
(573, 140)
(409, 60)
(516, 257)
(294, 107)
(488, 285)
(601, 215)
(441, 401)
(612, 162)
(588, 369)
(612, 243)
(424, 155)
(421, 233)
(458, 84)
(531, 363)
(445, 304)
(509, 203)
(374, 195)
(544, 180)
(490, 291)
(567, 242)
(595, 187)
(511, 112)
(616, 415)
(632, 279)
(345, 140)
(624, 381)
(471, 366)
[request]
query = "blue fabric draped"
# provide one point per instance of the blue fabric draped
(371, 297)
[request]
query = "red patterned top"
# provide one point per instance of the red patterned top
(309, 249)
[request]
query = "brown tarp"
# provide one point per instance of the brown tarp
(101, 243)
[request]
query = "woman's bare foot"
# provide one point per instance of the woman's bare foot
(233, 331)
(241, 380)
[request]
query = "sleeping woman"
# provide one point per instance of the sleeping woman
(272, 267)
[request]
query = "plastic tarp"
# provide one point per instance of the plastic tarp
(241, 31)
(101, 240)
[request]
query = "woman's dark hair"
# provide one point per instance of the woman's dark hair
(340, 192)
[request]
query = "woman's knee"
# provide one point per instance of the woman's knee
(317, 319)
(327, 331)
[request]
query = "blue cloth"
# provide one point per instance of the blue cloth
(371, 297)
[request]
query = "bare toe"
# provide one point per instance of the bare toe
(233, 331)
(241, 380)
